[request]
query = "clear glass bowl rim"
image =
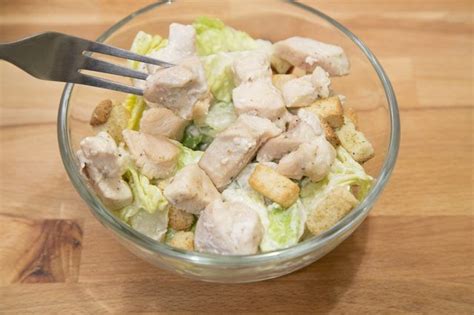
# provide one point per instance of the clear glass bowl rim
(109, 220)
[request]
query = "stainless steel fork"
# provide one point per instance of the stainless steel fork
(60, 57)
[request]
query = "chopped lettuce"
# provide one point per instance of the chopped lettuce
(282, 227)
(188, 156)
(135, 105)
(213, 36)
(286, 226)
(221, 115)
(144, 44)
(345, 171)
(192, 137)
(220, 75)
(148, 213)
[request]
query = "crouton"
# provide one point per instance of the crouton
(179, 220)
(329, 133)
(279, 65)
(274, 186)
(352, 115)
(329, 109)
(279, 80)
(355, 141)
(298, 72)
(101, 113)
(114, 118)
(182, 240)
(330, 210)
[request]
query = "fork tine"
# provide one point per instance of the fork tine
(122, 53)
(107, 84)
(107, 67)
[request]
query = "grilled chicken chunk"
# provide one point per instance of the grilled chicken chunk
(260, 98)
(229, 228)
(163, 122)
(181, 44)
(233, 148)
(178, 88)
(308, 53)
(252, 67)
(155, 156)
(312, 159)
(102, 164)
(303, 91)
(191, 189)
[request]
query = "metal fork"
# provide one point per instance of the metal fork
(60, 57)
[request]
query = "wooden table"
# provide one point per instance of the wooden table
(413, 254)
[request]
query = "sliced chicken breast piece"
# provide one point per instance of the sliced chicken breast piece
(321, 82)
(155, 156)
(114, 192)
(260, 98)
(308, 53)
(299, 92)
(233, 148)
(229, 228)
(99, 157)
(191, 189)
(305, 128)
(303, 91)
(181, 44)
(312, 159)
(102, 162)
(178, 88)
(163, 122)
(251, 67)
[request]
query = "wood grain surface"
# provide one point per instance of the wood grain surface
(414, 254)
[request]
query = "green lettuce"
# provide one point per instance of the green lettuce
(135, 105)
(213, 36)
(148, 214)
(286, 226)
(282, 227)
(193, 137)
(220, 75)
(220, 116)
(345, 171)
(188, 156)
(146, 196)
(144, 44)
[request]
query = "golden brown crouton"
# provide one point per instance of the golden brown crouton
(116, 122)
(355, 142)
(274, 186)
(182, 240)
(101, 113)
(179, 220)
(279, 80)
(298, 72)
(329, 133)
(329, 109)
(352, 115)
(279, 65)
(329, 211)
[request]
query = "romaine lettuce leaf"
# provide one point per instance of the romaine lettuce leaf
(221, 115)
(282, 227)
(148, 214)
(220, 75)
(286, 226)
(192, 137)
(144, 44)
(345, 171)
(135, 105)
(188, 156)
(213, 36)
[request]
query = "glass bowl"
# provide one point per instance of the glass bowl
(367, 88)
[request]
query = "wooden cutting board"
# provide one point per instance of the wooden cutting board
(414, 253)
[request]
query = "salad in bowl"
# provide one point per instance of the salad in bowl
(242, 147)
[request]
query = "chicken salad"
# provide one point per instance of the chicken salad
(241, 147)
